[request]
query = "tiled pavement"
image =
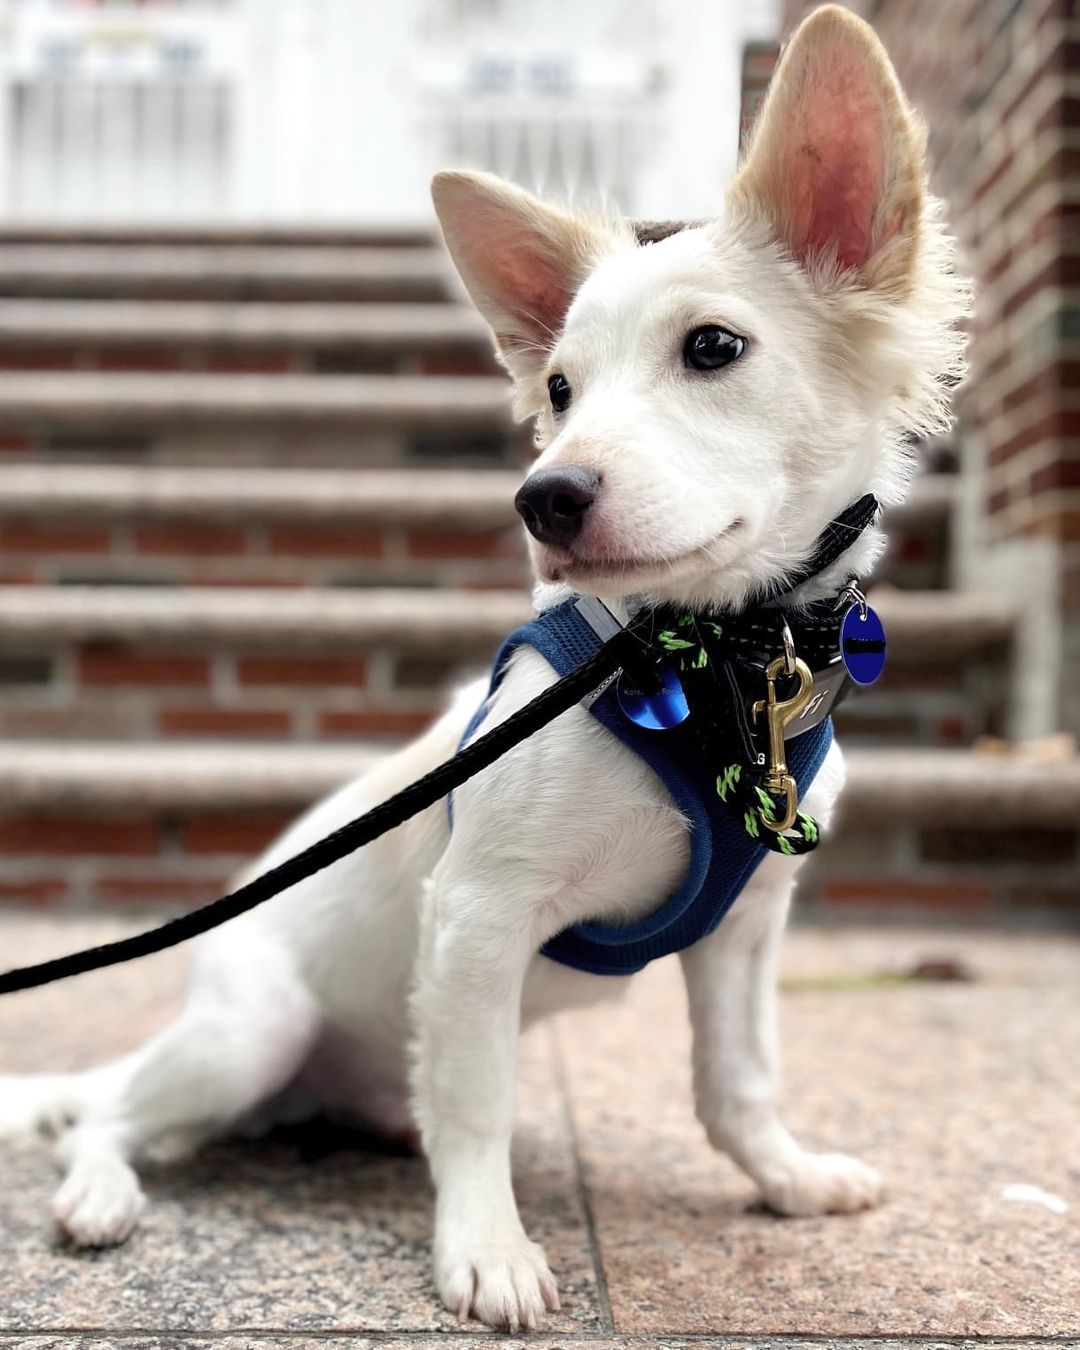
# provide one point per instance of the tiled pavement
(955, 1089)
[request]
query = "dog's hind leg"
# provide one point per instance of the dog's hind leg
(243, 1035)
(731, 982)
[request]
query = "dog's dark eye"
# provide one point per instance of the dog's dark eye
(559, 392)
(712, 347)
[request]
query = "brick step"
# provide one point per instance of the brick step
(242, 418)
(207, 335)
(233, 272)
(933, 831)
(129, 662)
(160, 524)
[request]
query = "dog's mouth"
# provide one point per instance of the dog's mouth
(567, 565)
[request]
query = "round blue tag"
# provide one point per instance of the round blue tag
(862, 644)
(655, 712)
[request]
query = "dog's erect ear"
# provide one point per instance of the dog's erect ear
(836, 161)
(521, 259)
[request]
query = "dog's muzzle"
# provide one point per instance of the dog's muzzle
(553, 503)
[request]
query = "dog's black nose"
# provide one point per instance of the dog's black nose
(553, 503)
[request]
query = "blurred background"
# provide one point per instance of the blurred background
(256, 463)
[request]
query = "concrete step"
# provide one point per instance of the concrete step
(137, 663)
(283, 336)
(237, 272)
(949, 626)
(198, 493)
(245, 418)
(47, 323)
(212, 525)
(932, 832)
(88, 398)
(927, 786)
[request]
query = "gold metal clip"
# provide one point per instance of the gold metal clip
(779, 713)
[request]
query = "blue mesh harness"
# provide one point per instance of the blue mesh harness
(723, 856)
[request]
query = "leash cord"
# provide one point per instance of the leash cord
(621, 650)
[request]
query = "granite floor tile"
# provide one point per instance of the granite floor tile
(307, 1232)
(955, 1090)
(536, 1341)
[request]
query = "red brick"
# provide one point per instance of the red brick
(127, 358)
(991, 179)
(1046, 381)
(70, 836)
(998, 501)
(155, 888)
(23, 536)
(11, 440)
(459, 543)
(118, 665)
(1051, 427)
(33, 358)
(326, 543)
(1064, 474)
(424, 671)
(33, 890)
(375, 722)
(954, 896)
(302, 670)
(1054, 522)
(232, 832)
(952, 731)
(182, 540)
(224, 721)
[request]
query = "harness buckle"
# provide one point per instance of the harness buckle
(779, 712)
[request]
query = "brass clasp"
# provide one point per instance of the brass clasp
(779, 712)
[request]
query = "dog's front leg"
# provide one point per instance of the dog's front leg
(731, 982)
(475, 950)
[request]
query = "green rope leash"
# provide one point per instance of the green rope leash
(740, 792)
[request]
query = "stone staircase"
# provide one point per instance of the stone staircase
(255, 520)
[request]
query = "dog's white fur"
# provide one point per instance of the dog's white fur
(421, 950)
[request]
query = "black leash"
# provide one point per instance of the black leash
(629, 650)
(620, 651)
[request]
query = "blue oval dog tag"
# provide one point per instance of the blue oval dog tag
(655, 712)
(862, 644)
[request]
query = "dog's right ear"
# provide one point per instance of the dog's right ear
(521, 259)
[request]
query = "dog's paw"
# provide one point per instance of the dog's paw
(507, 1285)
(99, 1204)
(822, 1183)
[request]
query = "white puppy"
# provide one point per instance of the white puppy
(395, 983)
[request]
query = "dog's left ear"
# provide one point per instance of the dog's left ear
(836, 162)
(521, 259)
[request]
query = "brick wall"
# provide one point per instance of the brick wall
(163, 552)
(998, 82)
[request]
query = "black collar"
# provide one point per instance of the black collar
(831, 544)
(739, 645)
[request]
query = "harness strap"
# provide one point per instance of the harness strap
(724, 850)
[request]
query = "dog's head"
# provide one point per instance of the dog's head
(708, 397)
